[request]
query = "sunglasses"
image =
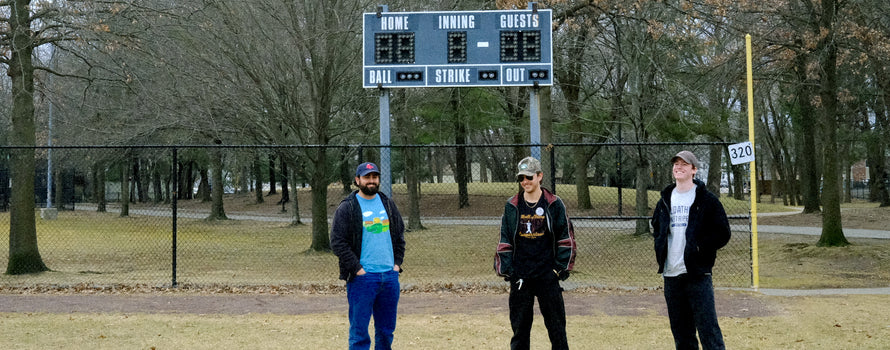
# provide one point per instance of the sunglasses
(524, 177)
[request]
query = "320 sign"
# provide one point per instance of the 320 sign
(740, 153)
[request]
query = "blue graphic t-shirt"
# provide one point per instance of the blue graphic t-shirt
(377, 253)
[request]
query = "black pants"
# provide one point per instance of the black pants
(690, 305)
(522, 312)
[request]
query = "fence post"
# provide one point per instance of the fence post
(619, 161)
(173, 196)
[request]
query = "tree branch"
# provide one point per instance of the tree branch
(59, 74)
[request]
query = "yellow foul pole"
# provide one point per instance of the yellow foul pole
(755, 264)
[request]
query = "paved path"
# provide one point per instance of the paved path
(832, 291)
(484, 221)
(816, 231)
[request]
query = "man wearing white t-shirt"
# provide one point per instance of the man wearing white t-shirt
(690, 225)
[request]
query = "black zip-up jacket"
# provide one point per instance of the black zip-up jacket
(346, 234)
(707, 230)
(564, 245)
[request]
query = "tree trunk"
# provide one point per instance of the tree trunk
(125, 188)
(758, 177)
(775, 185)
(642, 207)
(295, 202)
(738, 182)
(134, 193)
(24, 257)
(346, 174)
(285, 189)
(156, 182)
(436, 164)
(782, 171)
(99, 186)
(571, 86)
(880, 178)
(168, 184)
(413, 160)
(186, 180)
(217, 211)
(832, 230)
(874, 151)
(4, 179)
(884, 188)
(792, 185)
(460, 138)
(582, 188)
(806, 131)
(272, 189)
(204, 186)
(142, 181)
(319, 182)
(847, 170)
(461, 176)
(412, 163)
(58, 188)
(715, 152)
(181, 180)
(258, 179)
(244, 179)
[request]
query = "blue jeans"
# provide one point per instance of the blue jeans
(374, 294)
(690, 306)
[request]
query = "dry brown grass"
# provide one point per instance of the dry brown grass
(859, 215)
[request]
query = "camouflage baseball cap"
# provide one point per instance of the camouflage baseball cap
(529, 166)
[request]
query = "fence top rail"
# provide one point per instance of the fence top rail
(629, 218)
(592, 144)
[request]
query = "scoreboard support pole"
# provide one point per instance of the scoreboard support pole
(534, 114)
(385, 151)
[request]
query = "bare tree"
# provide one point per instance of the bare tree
(291, 61)
(18, 43)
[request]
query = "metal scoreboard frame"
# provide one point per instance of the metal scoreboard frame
(457, 49)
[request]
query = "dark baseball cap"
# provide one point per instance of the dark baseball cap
(366, 168)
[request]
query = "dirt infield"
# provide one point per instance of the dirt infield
(617, 303)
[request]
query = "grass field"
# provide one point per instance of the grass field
(848, 322)
(102, 248)
(88, 248)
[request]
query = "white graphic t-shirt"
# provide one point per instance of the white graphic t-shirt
(675, 265)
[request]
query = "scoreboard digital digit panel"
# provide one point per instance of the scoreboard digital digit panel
(454, 49)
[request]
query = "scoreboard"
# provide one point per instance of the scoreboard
(457, 49)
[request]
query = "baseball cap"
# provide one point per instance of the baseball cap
(366, 168)
(687, 157)
(529, 166)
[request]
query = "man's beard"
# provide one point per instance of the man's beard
(368, 190)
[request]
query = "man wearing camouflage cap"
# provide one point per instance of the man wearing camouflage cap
(536, 251)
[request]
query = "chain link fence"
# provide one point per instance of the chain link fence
(128, 216)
